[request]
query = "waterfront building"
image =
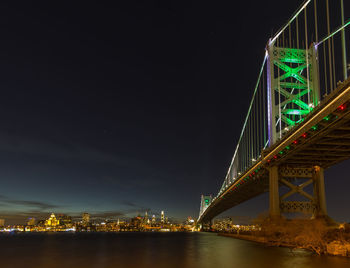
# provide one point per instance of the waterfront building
(86, 218)
(64, 219)
(52, 221)
(31, 222)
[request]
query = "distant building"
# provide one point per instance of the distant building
(2, 222)
(52, 221)
(64, 219)
(162, 217)
(31, 222)
(154, 219)
(86, 218)
(146, 218)
(136, 222)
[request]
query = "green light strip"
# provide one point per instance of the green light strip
(336, 31)
(290, 21)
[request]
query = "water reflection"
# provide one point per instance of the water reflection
(98, 250)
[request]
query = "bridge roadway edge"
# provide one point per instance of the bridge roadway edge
(230, 198)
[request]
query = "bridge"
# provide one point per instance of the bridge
(298, 121)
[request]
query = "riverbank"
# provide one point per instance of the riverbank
(335, 248)
(315, 235)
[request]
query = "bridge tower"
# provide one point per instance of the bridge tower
(293, 87)
(205, 203)
(293, 92)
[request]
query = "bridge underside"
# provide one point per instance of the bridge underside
(322, 139)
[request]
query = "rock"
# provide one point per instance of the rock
(337, 248)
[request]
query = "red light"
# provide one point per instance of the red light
(268, 160)
(295, 142)
(304, 135)
(275, 156)
(341, 107)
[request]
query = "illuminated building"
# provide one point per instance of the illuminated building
(64, 219)
(2, 222)
(162, 217)
(86, 218)
(52, 221)
(146, 217)
(31, 221)
(153, 219)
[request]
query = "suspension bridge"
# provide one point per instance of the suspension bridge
(298, 121)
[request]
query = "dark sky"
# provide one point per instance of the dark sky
(118, 108)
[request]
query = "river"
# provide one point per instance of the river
(154, 250)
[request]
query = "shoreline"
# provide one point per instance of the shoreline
(333, 249)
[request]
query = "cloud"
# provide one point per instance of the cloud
(128, 203)
(107, 214)
(27, 203)
(49, 149)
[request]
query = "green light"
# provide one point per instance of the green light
(288, 147)
(327, 118)
(314, 127)
(281, 152)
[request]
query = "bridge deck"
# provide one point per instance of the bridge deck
(322, 139)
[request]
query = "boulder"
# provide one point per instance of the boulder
(337, 248)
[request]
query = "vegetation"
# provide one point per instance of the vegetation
(315, 234)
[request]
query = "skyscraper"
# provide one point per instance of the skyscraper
(162, 217)
(146, 217)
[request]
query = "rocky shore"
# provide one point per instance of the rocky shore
(317, 235)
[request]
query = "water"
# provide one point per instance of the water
(156, 250)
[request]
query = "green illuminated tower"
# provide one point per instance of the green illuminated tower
(293, 87)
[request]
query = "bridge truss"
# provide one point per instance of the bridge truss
(299, 111)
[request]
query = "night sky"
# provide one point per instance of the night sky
(119, 108)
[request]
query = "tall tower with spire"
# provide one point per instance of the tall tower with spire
(162, 216)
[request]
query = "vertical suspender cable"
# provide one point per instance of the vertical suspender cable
(307, 59)
(279, 98)
(325, 67)
(345, 72)
(297, 27)
(329, 48)
(333, 60)
(316, 27)
(265, 104)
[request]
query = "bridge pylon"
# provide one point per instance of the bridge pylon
(287, 176)
(293, 87)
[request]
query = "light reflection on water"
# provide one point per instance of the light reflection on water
(156, 250)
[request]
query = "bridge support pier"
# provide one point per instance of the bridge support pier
(319, 192)
(274, 193)
(287, 176)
